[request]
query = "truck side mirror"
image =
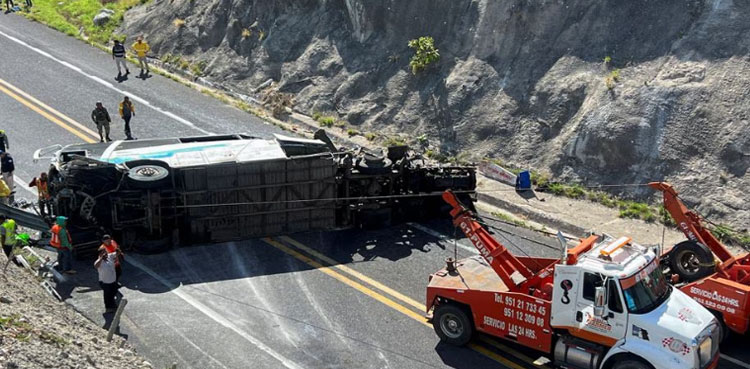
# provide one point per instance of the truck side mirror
(600, 301)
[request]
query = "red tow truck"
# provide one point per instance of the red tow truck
(605, 304)
(723, 287)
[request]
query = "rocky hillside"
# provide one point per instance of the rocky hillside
(38, 332)
(597, 91)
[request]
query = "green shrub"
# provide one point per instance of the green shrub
(637, 210)
(612, 78)
(198, 68)
(340, 124)
(438, 156)
(607, 59)
(316, 115)
(71, 15)
(722, 233)
(394, 141)
(326, 121)
(370, 136)
(425, 53)
(574, 191)
(352, 132)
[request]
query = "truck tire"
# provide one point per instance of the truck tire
(691, 260)
(631, 364)
(725, 331)
(148, 174)
(374, 165)
(452, 324)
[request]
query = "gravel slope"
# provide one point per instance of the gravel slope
(36, 331)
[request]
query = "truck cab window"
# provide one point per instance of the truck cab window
(613, 300)
(590, 282)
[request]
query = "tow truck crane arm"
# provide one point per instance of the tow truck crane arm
(512, 271)
(690, 222)
(733, 268)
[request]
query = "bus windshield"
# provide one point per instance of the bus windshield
(645, 290)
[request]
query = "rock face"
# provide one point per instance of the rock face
(521, 80)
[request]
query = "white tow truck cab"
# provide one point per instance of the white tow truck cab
(617, 297)
(604, 305)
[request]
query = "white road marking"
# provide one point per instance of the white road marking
(214, 315)
(49, 108)
(442, 237)
(107, 84)
(734, 361)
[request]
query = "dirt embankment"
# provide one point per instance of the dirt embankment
(525, 81)
(38, 332)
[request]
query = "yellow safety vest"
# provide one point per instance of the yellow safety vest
(10, 233)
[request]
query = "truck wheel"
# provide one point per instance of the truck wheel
(691, 260)
(147, 174)
(631, 364)
(374, 165)
(452, 324)
(725, 332)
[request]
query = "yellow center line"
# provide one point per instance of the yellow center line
(47, 115)
(395, 294)
(356, 274)
(49, 108)
(351, 283)
(383, 299)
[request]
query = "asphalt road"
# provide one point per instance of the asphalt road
(347, 299)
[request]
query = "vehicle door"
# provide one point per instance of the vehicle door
(612, 324)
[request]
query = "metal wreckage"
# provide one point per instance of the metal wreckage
(157, 193)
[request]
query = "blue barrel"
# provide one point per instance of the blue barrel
(523, 180)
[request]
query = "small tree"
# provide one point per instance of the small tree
(425, 53)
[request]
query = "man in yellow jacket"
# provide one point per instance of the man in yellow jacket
(141, 48)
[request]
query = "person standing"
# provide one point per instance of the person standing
(4, 193)
(42, 189)
(62, 241)
(105, 265)
(101, 118)
(118, 54)
(4, 143)
(7, 168)
(127, 111)
(112, 247)
(141, 48)
(9, 6)
(8, 235)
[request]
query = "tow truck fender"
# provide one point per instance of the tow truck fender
(644, 350)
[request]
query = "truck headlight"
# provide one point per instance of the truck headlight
(704, 351)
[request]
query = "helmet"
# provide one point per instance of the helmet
(11, 222)
(2, 131)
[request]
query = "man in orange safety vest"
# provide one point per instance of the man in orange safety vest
(62, 241)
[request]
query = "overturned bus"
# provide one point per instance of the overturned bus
(156, 193)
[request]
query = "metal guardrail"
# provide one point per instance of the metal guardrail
(24, 218)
